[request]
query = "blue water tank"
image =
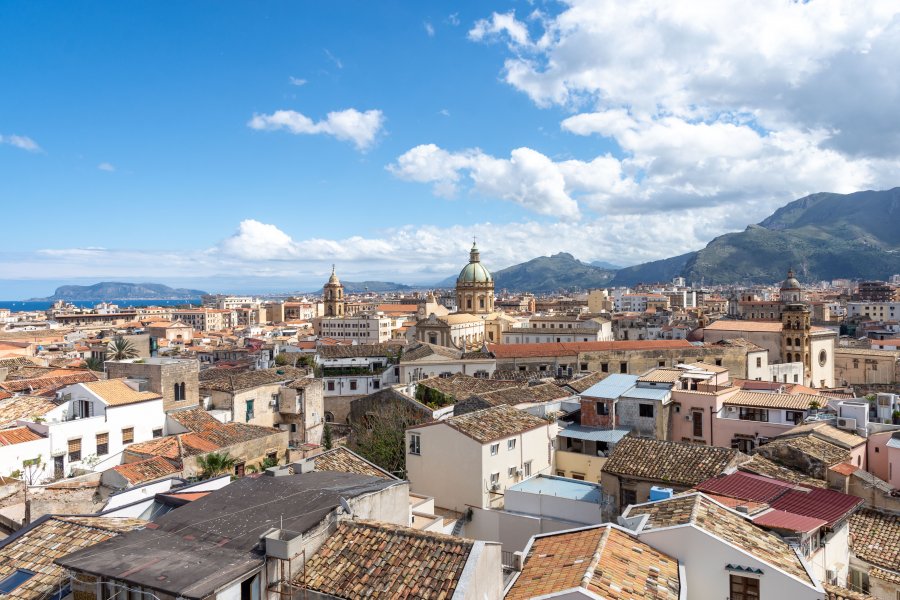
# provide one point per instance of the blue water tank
(660, 493)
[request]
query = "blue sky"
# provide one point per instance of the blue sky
(143, 141)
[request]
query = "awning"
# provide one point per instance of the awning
(593, 434)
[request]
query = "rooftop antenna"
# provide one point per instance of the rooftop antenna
(346, 506)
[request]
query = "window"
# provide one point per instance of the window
(793, 416)
(75, 450)
(629, 497)
(754, 414)
(584, 366)
(239, 469)
(718, 362)
(511, 472)
(623, 367)
(102, 444)
(661, 363)
(495, 479)
(744, 588)
(330, 386)
(823, 358)
(758, 362)
(645, 410)
(604, 367)
(511, 444)
(249, 411)
(697, 422)
(602, 408)
(578, 476)
(415, 444)
(560, 473)
(527, 469)
(18, 577)
(353, 384)
(157, 433)
(495, 448)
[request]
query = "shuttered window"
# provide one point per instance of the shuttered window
(74, 450)
(128, 435)
(102, 444)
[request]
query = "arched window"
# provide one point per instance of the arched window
(468, 303)
(177, 393)
(183, 395)
(797, 342)
(481, 302)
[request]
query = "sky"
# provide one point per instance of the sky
(249, 146)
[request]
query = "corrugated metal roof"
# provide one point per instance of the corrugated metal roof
(779, 519)
(612, 387)
(746, 486)
(819, 503)
(593, 434)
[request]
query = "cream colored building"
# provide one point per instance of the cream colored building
(861, 366)
(599, 301)
(471, 459)
(361, 328)
(460, 330)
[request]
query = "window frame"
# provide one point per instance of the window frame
(415, 444)
(495, 449)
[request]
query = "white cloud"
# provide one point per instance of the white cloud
(499, 24)
(297, 81)
(20, 141)
(337, 62)
(429, 28)
(444, 112)
(105, 166)
(361, 128)
(453, 19)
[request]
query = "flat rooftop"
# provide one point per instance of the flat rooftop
(560, 487)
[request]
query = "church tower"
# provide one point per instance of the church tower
(475, 287)
(334, 296)
(795, 325)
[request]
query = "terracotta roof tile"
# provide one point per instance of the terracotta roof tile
(370, 559)
(672, 462)
(48, 383)
(604, 560)
(17, 435)
(346, 461)
(574, 348)
(828, 453)
(146, 470)
(767, 400)
(228, 380)
(491, 424)
(23, 407)
(875, 538)
(763, 466)
(37, 548)
(115, 392)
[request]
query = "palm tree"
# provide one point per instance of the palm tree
(215, 463)
(94, 364)
(120, 349)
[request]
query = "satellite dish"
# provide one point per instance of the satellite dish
(346, 506)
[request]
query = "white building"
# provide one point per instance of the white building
(723, 553)
(557, 329)
(879, 311)
(471, 460)
(372, 328)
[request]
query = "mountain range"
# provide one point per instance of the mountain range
(116, 290)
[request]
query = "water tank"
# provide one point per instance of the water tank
(660, 493)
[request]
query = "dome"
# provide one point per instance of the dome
(333, 280)
(791, 282)
(474, 273)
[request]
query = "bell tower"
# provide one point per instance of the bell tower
(334, 296)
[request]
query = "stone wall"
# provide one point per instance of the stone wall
(251, 453)
(162, 378)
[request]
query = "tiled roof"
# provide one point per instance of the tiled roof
(672, 462)
(52, 383)
(358, 351)
(574, 348)
(763, 466)
(754, 326)
(461, 386)
(491, 424)
(346, 461)
(225, 380)
(146, 470)
(421, 350)
(702, 512)
(166, 447)
(17, 435)
(875, 538)
(661, 375)
(767, 400)
(604, 560)
(370, 559)
(833, 592)
(827, 432)
(542, 392)
(194, 419)
(830, 454)
(883, 574)
(23, 407)
(583, 383)
(36, 548)
(115, 392)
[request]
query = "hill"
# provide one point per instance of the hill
(114, 290)
(355, 287)
(822, 236)
(549, 273)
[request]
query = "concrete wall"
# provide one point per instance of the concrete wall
(482, 577)
(568, 464)
(705, 558)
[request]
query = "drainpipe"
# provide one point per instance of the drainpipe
(711, 422)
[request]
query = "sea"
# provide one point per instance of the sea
(27, 306)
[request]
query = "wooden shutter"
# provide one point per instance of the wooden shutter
(102, 438)
(74, 446)
(128, 435)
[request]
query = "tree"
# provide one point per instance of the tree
(282, 360)
(94, 364)
(120, 349)
(215, 463)
(381, 436)
(326, 437)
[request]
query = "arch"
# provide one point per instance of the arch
(183, 394)
(329, 416)
(797, 342)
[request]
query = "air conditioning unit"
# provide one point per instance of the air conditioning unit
(831, 576)
(687, 417)
(846, 423)
(518, 472)
(495, 487)
(273, 403)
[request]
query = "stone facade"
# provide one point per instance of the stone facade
(163, 375)
(334, 296)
